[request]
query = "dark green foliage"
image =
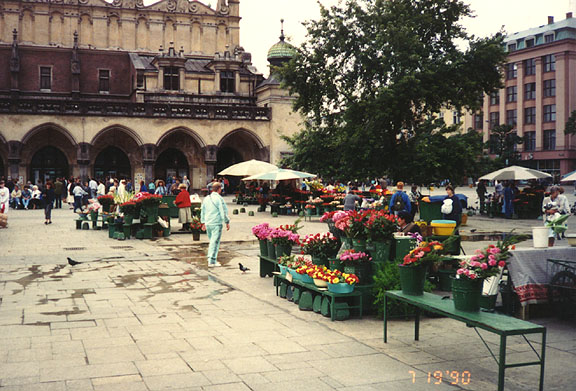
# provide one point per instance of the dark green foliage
(503, 140)
(387, 278)
(571, 124)
(370, 75)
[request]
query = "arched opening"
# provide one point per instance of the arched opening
(2, 168)
(112, 162)
(171, 162)
(48, 163)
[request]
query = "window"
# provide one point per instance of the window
(455, 117)
(511, 71)
(493, 144)
(549, 113)
(530, 115)
(529, 91)
(549, 38)
(46, 78)
(549, 88)
(512, 47)
(511, 117)
(104, 80)
(227, 81)
(140, 81)
(529, 141)
(171, 78)
(530, 67)
(549, 141)
(549, 62)
(494, 119)
(530, 43)
(511, 94)
(479, 121)
(495, 98)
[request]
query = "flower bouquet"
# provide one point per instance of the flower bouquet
(106, 201)
(415, 265)
(283, 240)
(261, 231)
(129, 210)
(380, 226)
(353, 257)
(321, 246)
(339, 282)
(306, 272)
(147, 199)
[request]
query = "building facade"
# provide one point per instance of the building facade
(91, 88)
(539, 95)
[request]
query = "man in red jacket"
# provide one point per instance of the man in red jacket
(183, 203)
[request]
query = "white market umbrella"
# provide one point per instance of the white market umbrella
(280, 174)
(250, 167)
(569, 178)
(515, 173)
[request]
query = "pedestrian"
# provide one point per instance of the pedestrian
(213, 216)
(143, 188)
(183, 203)
(151, 187)
(93, 187)
(406, 224)
(350, 201)
(101, 188)
(58, 189)
(78, 192)
(36, 197)
(4, 198)
(400, 200)
(414, 196)
(26, 196)
(451, 207)
(508, 194)
(48, 195)
(481, 191)
(70, 193)
(161, 189)
(16, 196)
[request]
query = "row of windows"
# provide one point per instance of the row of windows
(530, 42)
(548, 65)
(46, 79)
(529, 116)
(529, 142)
(171, 80)
(549, 90)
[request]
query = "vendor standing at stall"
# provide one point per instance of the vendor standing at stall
(183, 203)
(455, 212)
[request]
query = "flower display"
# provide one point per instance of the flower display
(485, 263)
(128, 207)
(94, 205)
(106, 200)
(147, 199)
(282, 236)
(380, 226)
(261, 231)
(321, 245)
(353, 257)
(195, 225)
(426, 252)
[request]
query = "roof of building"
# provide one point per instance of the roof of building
(281, 49)
(192, 65)
(563, 29)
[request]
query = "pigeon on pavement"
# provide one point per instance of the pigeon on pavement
(72, 262)
(242, 268)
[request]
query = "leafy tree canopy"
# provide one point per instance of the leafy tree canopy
(373, 71)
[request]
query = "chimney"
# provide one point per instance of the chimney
(550, 19)
(569, 15)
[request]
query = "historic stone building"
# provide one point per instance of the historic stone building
(91, 88)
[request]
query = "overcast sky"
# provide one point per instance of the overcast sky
(260, 26)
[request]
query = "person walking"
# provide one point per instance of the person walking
(48, 195)
(213, 216)
(183, 203)
(400, 200)
(4, 198)
(481, 192)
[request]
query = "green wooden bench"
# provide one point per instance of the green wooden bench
(353, 300)
(267, 266)
(502, 325)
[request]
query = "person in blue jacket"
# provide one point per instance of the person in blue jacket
(456, 212)
(400, 200)
(213, 217)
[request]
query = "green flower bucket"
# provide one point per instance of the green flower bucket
(359, 245)
(412, 279)
(271, 250)
(340, 288)
(319, 261)
(334, 264)
(94, 215)
(263, 247)
(128, 219)
(380, 252)
(283, 250)
(467, 294)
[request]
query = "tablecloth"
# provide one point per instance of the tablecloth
(530, 272)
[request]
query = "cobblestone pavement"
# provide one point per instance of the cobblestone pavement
(149, 315)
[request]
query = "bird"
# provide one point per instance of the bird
(72, 262)
(242, 268)
(473, 230)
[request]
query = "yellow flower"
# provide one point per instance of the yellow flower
(336, 280)
(438, 247)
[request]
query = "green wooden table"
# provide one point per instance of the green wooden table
(267, 266)
(502, 325)
(355, 296)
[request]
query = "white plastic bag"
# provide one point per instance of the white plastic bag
(446, 207)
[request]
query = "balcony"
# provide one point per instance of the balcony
(46, 106)
(219, 100)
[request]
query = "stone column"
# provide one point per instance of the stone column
(539, 107)
(83, 160)
(562, 88)
(14, 149)
(210, 158)
(149, 159)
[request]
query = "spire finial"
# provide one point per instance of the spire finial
(15, 35)
(282, 30)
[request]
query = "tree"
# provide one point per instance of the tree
(502, 142)
(571, 124)
(373, 71)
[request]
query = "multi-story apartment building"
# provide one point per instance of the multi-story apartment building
(95, 88)
(539, 95)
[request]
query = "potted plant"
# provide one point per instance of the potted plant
(196, 228)
(283, 263)
(129, 209)
(339, 282)
(380, 228)
(93, 207)
(261, 231)
(358, 263)
(320, 247)
(149, 205)
(107, 201)
(415, 265)
(283, 239)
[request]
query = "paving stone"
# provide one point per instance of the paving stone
(294, 384)
(18, 331)
(79, 385)
(19, 370)
(148, 347)
(176, 381)
(281, 346)
(96, 343)
(114, 354)
(88, 371)
(221, 376)
(162, 367)
(249, 365)
(227, 387)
